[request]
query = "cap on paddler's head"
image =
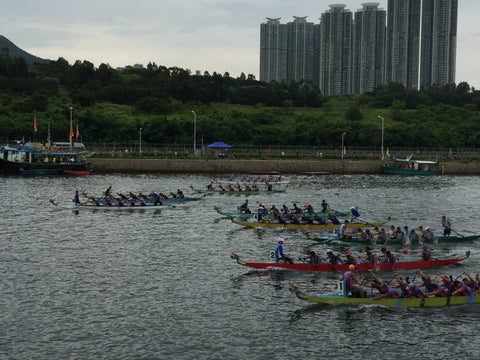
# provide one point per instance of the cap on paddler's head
(351, 207)
(281, 240)
(328, 251)
(351, 267)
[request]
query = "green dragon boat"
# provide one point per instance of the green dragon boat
(355, 240)
(239, 192)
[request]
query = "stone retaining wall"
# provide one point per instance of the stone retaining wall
(246, 166)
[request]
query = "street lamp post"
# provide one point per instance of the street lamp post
(140, 141)
(342, 143)
(383, 121)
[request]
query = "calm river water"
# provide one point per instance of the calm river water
(159, 284)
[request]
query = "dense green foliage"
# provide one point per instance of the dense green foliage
(111, 105)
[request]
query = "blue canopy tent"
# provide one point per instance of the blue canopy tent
(218, 149)
(219, 145)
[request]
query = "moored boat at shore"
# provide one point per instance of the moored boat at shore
(344, 267)
(35, 160)
(409, 166)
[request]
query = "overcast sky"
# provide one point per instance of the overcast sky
(205, 35)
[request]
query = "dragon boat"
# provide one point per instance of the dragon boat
(267, 223)
(126, 206)
(239, 192)
(400, 302)
(254, 214)
(344, 267)
(356, 240)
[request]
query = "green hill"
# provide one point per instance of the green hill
(15, 52)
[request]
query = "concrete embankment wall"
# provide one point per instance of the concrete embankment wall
(220, 166)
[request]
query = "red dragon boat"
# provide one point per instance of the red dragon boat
(359, 267)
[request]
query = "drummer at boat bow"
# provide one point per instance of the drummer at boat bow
(279, 255)
(350, 280)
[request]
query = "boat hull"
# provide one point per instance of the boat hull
(76, 172)
(314, 173)
(242, 192)
(401, 171)
(360, 267)
(37, 172)
(10, 167)
(400, 302)
(305, 226)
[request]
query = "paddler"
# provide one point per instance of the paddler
(332, 258)
(355, 216)
(313, 257)
(384, 291)
(426, 253)
(342, 231)
(244, 207)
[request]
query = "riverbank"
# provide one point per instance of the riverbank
(222, 166)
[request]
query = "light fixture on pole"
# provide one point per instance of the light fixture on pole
(194, 132)
(342, 143)
(383, 121)
(140, 141)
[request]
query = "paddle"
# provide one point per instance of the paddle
(52, 201)
(457, 233)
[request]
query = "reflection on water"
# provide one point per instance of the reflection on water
(160, 284)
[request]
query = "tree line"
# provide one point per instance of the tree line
(111, 105)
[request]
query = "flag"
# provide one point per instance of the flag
(344, 150)
(388, 153)
(269, 150)
(35, 122)
(23, 140)
(450, 152)
(48, 135)
(78, 134)
(70, 136)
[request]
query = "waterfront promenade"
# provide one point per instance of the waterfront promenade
(205, 166)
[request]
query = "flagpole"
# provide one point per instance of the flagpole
(71, 127)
